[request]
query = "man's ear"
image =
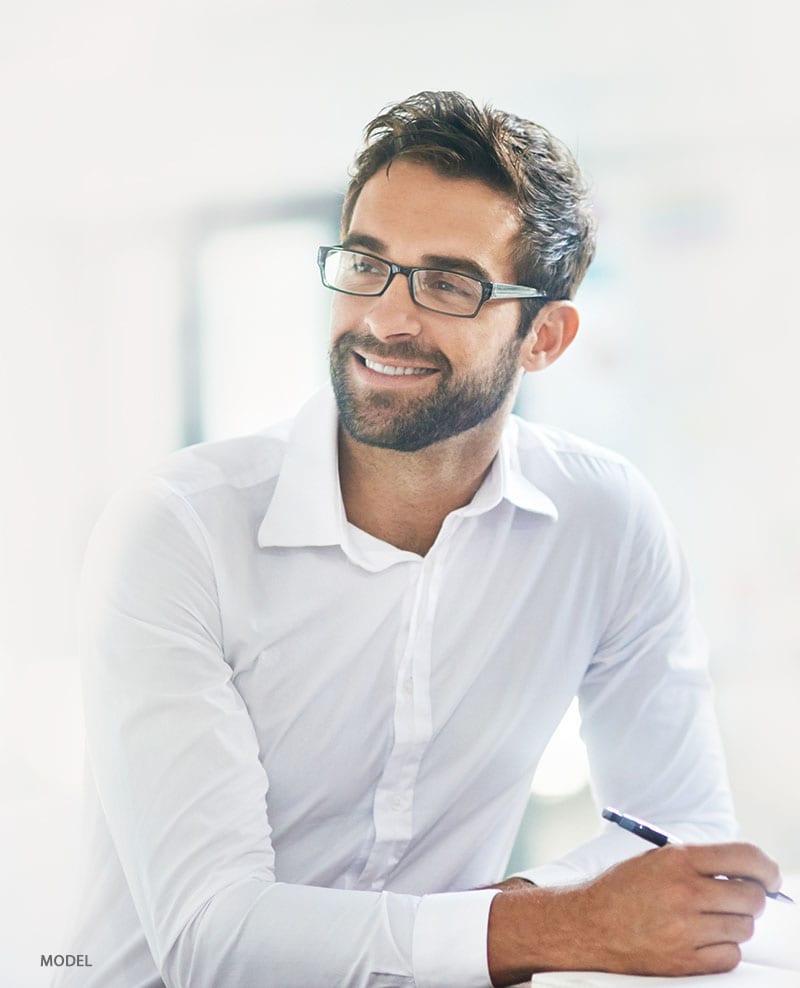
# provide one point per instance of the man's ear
(550, 333)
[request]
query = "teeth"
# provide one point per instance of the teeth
(393, 371)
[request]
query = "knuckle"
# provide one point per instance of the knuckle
(737, 929)
(758, 898)
(754, 854)
(685, 899)
(686, 965)
(730, 955)
(722, 958)
(680, 852)
(718, 959)
(689, 851)
(693, 897)
(750, 898)
(745, 899)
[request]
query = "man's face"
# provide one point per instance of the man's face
(463, 369)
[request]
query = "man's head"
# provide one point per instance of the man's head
(443, 185)
(521, 159)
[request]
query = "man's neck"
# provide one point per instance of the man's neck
(403, 498)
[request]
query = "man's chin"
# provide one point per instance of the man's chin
(405, 433)
(386, 419)
(383, 432)
(400, 420)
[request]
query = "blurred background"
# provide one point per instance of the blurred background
(165, 163)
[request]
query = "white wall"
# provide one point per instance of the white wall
(120, 121)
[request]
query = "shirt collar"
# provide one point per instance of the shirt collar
(307, 509)
(514, 486)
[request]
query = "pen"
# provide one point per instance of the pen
(658, 837)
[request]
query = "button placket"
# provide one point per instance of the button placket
(394, 797)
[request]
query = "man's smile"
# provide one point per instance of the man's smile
(396, 368)
(390, 372)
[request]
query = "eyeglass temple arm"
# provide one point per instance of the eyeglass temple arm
(516, 291)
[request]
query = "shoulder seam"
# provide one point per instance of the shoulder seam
(190, 510)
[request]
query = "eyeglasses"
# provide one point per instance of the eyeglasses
(453, 294)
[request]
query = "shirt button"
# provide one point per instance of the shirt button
(397, 802)
(408, 685)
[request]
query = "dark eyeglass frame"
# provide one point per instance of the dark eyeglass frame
(489, 289)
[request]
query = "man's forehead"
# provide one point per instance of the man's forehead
(412, 207)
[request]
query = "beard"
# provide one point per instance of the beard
(393, 420)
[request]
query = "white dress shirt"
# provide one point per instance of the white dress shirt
(306, 745)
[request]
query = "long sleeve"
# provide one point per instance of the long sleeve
(647, 706)
(176, 763)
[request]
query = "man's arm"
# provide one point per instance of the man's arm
(655, 751)
(175, 757)
(647, 714)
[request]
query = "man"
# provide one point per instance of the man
(322, 662)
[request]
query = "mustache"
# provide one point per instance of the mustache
(402, 350)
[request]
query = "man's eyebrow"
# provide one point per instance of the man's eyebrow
(462, 264)
(444, 261)
(356, 239)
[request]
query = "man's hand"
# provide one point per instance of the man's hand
(663, 912)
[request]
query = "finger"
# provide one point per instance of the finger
(737, 860)
(717, 928)
(717, 958)
(719, 895)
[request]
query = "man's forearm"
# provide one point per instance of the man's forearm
(533, 929)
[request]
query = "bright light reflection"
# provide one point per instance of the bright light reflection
(564, 768)
(265, 324)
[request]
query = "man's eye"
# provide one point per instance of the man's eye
(449, 286)
(363, 267)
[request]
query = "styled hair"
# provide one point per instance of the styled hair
(449, 132)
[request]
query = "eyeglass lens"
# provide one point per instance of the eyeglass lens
(443, 291)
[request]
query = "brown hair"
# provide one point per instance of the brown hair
(517, 157)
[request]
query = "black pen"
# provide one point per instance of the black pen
(650, 833)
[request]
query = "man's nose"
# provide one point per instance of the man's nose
(395, 313)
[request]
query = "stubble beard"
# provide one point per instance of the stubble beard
(405, 423)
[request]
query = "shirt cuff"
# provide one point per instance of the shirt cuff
(450, 940)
